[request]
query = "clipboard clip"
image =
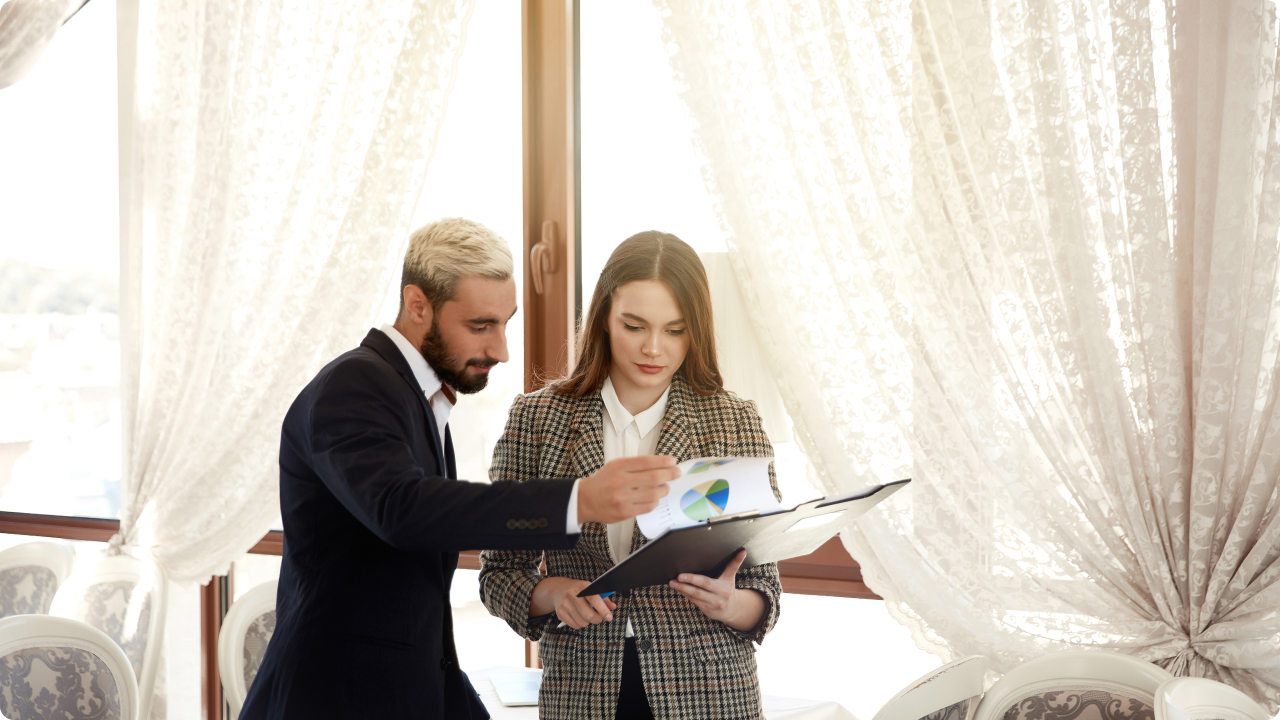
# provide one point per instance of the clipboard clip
(735, 516)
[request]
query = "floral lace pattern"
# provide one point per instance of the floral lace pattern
(273, 159)
(256, 638)
(1004, 248)
(954, 711)
(57, 683)
(108, 606)
(26, 29)
(27, 590)
(1084, 704)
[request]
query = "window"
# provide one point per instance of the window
(59, 268)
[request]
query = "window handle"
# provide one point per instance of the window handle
(542, 257)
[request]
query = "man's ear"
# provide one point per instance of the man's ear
(417, 309)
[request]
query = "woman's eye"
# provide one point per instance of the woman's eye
(677, 332)
(632, 328)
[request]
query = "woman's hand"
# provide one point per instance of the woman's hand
(721, 599)
(560, 595)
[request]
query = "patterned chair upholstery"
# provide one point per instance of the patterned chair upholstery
(949, 693)
(242, 641)
(30, 575)
(54, 668)
(1090, 685)
(1189, 698)
(126, 599)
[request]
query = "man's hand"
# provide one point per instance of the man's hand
(721, 599)
(561, 595)
(625, 487)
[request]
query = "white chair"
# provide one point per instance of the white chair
(1189, 698)
(66, 663)
(1062, 685)
(242, 641)
(951, 692)
(126, 598)
(30, 575)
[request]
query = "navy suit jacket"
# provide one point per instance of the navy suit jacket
(373, 523)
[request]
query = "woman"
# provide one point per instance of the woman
(645, 382)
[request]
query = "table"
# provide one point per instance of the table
(775, 708)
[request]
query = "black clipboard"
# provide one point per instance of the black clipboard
(707, 548)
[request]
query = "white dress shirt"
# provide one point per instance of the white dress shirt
(431, 386)
(627, 435)
(441, 406)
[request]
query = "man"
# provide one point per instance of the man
(373, 517)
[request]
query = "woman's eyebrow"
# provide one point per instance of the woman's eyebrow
(637, 318)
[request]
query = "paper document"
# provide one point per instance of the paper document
(709, 488)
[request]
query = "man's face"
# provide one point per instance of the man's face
(468, 334)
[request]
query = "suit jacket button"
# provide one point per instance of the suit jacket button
(644, 645)
(542, 522)
(511, 524)
(522, 524)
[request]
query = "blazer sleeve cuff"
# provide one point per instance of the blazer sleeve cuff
(771, 589)
(507, 593)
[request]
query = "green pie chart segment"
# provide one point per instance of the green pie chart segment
(706, 501)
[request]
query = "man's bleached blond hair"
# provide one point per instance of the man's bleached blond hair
(447, 250)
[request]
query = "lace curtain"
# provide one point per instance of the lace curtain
(1024, 252)
(272, 155)
(26, 29)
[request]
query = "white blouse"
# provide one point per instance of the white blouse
(627, 435)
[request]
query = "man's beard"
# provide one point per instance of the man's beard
(451, 370)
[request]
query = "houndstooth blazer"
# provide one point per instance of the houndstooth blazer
(693, 667)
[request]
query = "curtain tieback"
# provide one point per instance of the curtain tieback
(1180, 665)
(115, 546)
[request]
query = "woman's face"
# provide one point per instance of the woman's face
(646, 335)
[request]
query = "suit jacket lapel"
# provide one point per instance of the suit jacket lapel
(378, 341)
(676, 436)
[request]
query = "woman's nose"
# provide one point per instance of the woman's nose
(651, 348)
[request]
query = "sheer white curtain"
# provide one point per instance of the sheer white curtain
(990, 246)
(26, 29)
(272, 154)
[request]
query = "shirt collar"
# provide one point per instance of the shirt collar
(422, 372)
(645, 421)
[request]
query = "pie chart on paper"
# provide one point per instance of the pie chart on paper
(705, 466)
(706, 501)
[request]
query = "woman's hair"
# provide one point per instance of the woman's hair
(649, 255)
(445, 251)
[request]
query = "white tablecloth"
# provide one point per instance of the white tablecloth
(775, 708)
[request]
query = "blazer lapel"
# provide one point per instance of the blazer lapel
(378, 341)
(676, 438)
(586, 447)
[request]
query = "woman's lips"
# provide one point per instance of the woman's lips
(650, 369)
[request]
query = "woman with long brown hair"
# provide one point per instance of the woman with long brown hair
(645, 382)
